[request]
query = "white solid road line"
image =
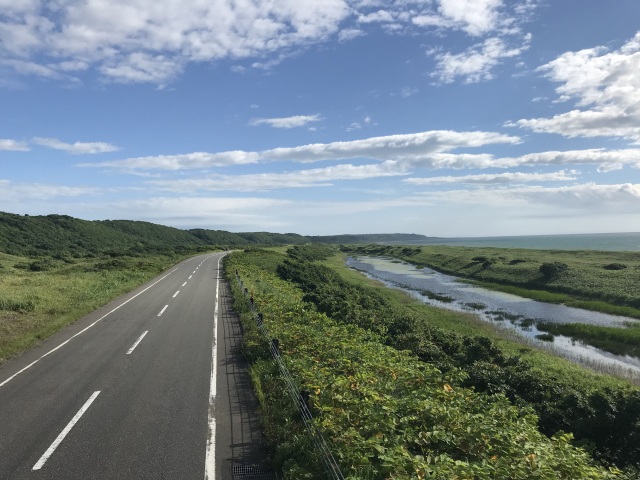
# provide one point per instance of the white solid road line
(83, 330)
(210, 460)
(64, 432)
(137, 342)
(162, 311)
(176, 294)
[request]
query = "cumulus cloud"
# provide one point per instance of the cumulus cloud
(496, 178)
(287, 122)
(476, 63)
(77, 147)
(476, 17)
(140, 41)
(404, 147)
(13, 145)
(150, 41)
(605, 86)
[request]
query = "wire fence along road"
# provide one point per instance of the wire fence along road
(300, 397)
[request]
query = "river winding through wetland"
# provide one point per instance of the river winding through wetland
(504, 310)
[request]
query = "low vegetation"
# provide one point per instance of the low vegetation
(620, 341)
(386, 412)
(39, 297)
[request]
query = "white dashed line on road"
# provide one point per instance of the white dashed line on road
(137, 342)
(64, 432)
(176, 294)
(162, 311)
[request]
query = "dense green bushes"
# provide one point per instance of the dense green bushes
(385, 413)
(612, 428)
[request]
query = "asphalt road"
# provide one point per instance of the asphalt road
(151, 386)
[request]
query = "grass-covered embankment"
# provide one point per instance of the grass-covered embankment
(40, 296)
(593, 280)
(386, 412)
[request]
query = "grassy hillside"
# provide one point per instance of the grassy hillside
(61, 236)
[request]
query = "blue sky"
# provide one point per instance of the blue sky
(438, 117)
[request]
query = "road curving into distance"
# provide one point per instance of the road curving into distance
(151, 386)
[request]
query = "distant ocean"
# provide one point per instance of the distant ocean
(616, 242)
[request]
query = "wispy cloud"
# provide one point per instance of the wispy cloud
(76, 148)
(316, 177)
(587, 197)
(287, 122)
(476, 63)
(12, 191)
(404, 147)
(496, 178)
(13, 145)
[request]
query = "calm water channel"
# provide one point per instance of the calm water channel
(502, 309)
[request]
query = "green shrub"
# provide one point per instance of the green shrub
(385, 413)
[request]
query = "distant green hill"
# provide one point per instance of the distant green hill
(65, 236)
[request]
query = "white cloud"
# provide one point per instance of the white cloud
(287, 122)
(13, 145)
(134, 41)
(142, 68)
(476, 63)
(406, 147)
(349, 34)
(476, 17)
(605, 84)
(593, 156)
(125, 40)
(316, 177)
(77, 147)
(234, 213)
(381, 16)
(496, 179)
(183, 161)
(588, 197)
(26, 192)
(610, 167)
(392, 147)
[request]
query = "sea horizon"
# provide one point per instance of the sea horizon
(616, 242)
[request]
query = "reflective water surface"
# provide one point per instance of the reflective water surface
(508, 311)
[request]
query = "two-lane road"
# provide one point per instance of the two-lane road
(128, 392)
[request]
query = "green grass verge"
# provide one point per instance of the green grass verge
(36, 304)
